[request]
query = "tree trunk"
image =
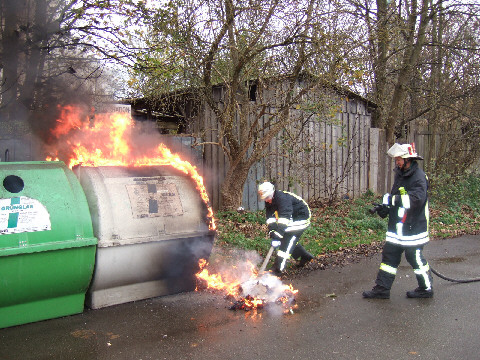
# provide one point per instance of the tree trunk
(415, 43)
(380, 63)
(34, 58)
(232, 186)
(10, 59)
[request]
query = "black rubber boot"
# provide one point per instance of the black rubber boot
(378, 292)
(304, 260)
(420, 293)
(300, 252)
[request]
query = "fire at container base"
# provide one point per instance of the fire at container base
(246, 289)
(152, 229)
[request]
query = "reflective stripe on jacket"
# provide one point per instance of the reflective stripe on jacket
(287, 213)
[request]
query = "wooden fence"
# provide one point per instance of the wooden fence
(24, 148)
(331, 160)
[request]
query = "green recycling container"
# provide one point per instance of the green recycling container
(47, 247)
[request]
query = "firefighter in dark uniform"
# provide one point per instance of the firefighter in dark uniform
(407, 208)
(288, 215)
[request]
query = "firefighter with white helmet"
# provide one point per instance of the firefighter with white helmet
(407, 208)
(288, 215)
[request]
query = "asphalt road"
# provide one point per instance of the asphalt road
(332, 320)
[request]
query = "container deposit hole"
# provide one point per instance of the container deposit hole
(13, 183)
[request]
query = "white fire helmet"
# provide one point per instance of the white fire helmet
(266, 190)
(405, 151)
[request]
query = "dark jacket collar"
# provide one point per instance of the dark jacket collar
(409, 172)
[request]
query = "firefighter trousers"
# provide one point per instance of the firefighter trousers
(290, 248)
(391, 257)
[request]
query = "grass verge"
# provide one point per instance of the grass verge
(454, 211)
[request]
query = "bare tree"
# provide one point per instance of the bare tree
(451, 85)
(52, 52)
(248, 49)
(409, 45)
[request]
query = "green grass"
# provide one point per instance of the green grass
(344, 224)
(454, 211)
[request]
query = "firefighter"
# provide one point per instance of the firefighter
(407, 208)
(288, 215)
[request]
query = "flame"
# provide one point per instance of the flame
(224, 282)
(232, 287)
(106, 140)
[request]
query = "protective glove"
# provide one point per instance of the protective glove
(276, 243)
(383, 211)
(276, 238)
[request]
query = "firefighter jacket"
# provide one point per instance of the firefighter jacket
(408, 214)
(286, 213)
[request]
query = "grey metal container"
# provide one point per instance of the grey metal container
(151, 227)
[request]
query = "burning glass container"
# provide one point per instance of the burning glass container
(47, 246)
(152, 230)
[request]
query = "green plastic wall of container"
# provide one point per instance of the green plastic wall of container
(47, 247)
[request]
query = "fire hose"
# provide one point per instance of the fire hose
(380, 209)
(452, 280)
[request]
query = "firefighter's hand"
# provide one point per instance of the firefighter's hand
(276, 243)
(383, 211)
(276, 239)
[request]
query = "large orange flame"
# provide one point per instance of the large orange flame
(106, 140)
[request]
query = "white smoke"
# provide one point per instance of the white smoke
(239, 266)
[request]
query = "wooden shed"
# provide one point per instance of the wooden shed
(329, 157)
